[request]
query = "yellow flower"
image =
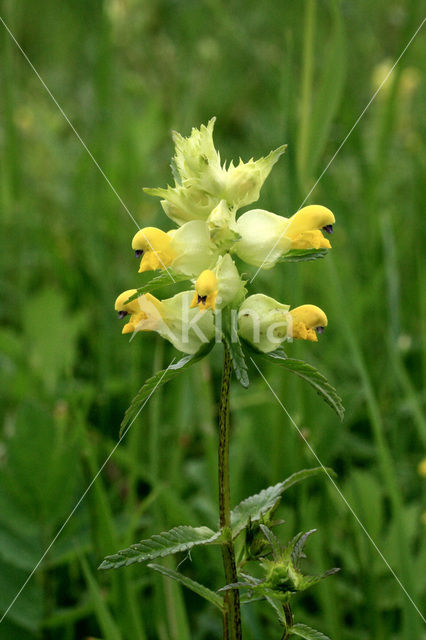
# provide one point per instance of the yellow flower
(187, 250)
(266, 236)
(266, 323)
(172, 318)
(219, 287)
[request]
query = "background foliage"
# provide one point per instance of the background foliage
(126, 73)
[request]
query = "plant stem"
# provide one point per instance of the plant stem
(232, 614)
(289, 620)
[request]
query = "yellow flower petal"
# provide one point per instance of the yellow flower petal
(304, 227)
(310, 240)
(154, 245)
(206, 288)
(306, 319)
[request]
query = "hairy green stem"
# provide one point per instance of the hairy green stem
(232, 614)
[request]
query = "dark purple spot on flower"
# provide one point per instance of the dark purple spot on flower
(122, 314)
(328, 228)
(319, 329)
(202, 299)
(138, 253)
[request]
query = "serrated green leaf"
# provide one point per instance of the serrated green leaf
(236, 585)
(309, 581)
(308, 633)
(165, 278)
(256, 506)
(307, 372)
(202, 591)
(160, 378)
(273, 541)
(178, 539)
(298, 543)
(238, 362)
(232, 341)
(303, 255)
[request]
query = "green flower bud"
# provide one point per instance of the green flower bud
(244, 182)
(196, 158)
(183, 203)
(222, 226)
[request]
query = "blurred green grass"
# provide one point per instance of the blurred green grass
(126, 73)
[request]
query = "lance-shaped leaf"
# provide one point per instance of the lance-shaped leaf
(303, 631)
(202, 591)
(232, 341)
(178, 539)
(311, 375)
(273, 541)
(302, 255)
(160, 378)
(165, 278)
(257, 506)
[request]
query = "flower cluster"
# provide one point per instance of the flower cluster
(203, 203)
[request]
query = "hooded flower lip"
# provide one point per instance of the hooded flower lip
(131, 309)
(154, 245)
(307, 321)
(305, 226)
(187, 250)
(206, 289)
